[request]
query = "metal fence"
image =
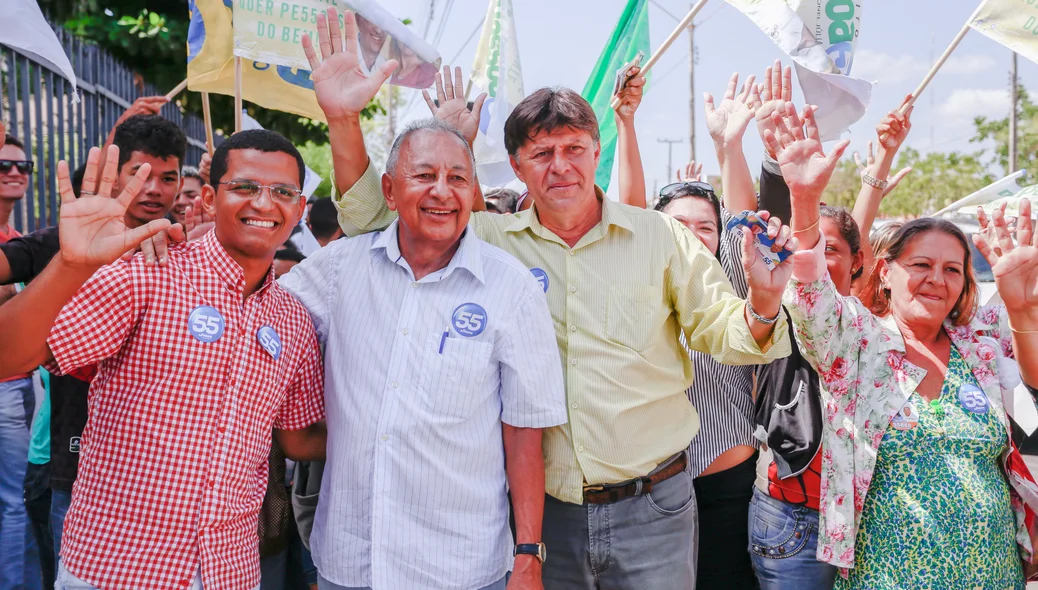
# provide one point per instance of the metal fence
(37, 104)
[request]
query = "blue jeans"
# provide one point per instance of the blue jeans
(783, 541)
(19, 558)
(59, 503)
(648, 541)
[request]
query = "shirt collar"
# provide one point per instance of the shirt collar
(229, 271)
(612, 214)
(468, 255)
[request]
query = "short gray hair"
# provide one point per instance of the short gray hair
(425, 125)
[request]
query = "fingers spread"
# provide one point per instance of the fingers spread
(110, 172)
(90, 173)
(65, 184)
(1024, 224)
(733, 82)
(134, 185)
(349, 27)
(324, 38)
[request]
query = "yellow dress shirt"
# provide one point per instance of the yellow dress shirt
(619, 300)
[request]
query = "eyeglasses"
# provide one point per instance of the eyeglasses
(23, 166)
(695, 187)
(283, 193)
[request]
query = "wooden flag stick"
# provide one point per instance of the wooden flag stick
(176, 90)
(237, 94)
(937, 65)
(208, 123)
(684, 24)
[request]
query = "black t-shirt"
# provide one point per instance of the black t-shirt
(28, 255)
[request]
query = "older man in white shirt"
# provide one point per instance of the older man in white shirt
(441, 369)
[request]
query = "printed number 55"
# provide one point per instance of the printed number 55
(468, 321)
(206, 324)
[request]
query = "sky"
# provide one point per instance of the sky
(560, 41)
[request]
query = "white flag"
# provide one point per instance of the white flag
(496, 71)
(821, 52)
(1004, 187)
(27, 31)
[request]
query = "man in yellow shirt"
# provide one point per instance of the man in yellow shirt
(623, 284)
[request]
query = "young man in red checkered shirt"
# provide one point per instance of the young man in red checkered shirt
(198, 361)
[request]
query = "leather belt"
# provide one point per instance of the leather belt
(607, 494)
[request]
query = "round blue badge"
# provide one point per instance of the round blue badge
(541, 276)
(973, 399)
(469, 319)
(270, 341)
(205, 324)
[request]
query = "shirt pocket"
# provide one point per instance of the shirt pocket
(630, 315)
(453, 377)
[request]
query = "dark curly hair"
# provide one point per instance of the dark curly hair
(151, 135)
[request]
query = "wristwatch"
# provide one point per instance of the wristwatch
(535, 549)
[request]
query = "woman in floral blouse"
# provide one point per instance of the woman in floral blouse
(916, 447)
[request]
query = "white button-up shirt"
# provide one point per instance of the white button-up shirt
(419, 376)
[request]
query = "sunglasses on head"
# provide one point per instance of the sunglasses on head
(695, 187)
(23, 166)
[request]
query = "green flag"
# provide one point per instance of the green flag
(630, 36)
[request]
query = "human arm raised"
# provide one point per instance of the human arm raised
(630, 173)
(1015, 266)
(92, 234)
(727, 123)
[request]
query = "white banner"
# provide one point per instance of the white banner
(27, 31)
(822, 49)
(1005, 187)
(496, 71)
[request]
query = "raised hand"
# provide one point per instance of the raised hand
(691, 172)
(805, 167)
(91, 229)
(453, 107)
(870, 164)
(342, 87)
(631, 94)
(771, 97)
(1015, 265)
(727, 122)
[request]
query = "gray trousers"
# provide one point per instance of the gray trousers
(641, 543)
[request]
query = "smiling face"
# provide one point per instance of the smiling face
(253, 228)
(190, 188)
(839, 259)
(432, 188)
(926, 280)
(559, 167)
(159, 190)
(699, 216)
(13, 184)
(370, 37)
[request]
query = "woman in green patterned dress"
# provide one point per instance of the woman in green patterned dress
(916, 441)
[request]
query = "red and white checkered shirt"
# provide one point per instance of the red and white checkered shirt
(173, 463)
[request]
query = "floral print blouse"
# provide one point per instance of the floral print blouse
(866, 379)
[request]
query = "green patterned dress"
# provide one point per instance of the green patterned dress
(937, 514)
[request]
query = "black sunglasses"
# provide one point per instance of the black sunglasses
(23, 166)
(694, 188)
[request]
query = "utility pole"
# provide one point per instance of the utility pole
(1014, 97)
(692, 89)
(670, 155)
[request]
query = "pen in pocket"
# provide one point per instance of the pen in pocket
(443, 339)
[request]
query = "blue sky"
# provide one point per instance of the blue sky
(560, 40)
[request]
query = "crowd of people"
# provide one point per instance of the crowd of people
(465, 387)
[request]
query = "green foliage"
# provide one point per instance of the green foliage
(319, 159)
(1026, 133)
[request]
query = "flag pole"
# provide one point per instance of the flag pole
(684, 24)
(208, 123)
(237, 94)
(176, 90)
(937, 65)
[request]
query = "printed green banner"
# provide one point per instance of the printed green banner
(271, 31)
(1013, 23)
(630, 36)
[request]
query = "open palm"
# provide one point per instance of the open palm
(806, 168)
(728, 121)
(1015, 265)
(341, 86)
(92, 229)
(452, 107)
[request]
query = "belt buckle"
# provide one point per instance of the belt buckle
(594, 489)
